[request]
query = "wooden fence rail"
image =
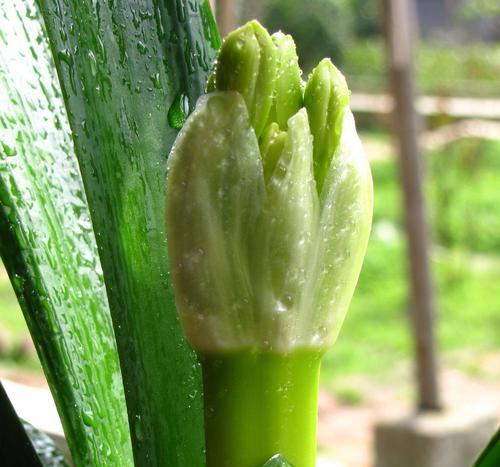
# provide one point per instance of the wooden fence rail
(459, 107)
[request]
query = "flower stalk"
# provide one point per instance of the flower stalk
(258, 404)
(269, 204)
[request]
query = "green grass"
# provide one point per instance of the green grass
(465, 195)
(468, 69)
(347, 395)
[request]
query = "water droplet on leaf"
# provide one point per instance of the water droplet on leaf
(138, 428)
(178, 111)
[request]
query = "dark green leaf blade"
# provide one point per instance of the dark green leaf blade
(49, 249)
(122, 65)
(15, 444)
(47, 451)
(490, 457)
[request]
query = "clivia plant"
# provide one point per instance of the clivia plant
(250, 224)
(269, 206)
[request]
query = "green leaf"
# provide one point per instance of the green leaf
(16, 445)
(49, 250)
(47, 451)
(490, 456)
(277, 461)
(121, 67)
(22, 444)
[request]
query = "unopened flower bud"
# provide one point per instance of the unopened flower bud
(326, 98)
(247, 64)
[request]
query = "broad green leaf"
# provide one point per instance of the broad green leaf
(490, 456)
(48, 246)
(46, 449)
(122, 65)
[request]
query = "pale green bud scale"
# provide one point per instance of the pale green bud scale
(344, 227)
(285, 236)
(215, 192)
(272, 144)
(288, 86)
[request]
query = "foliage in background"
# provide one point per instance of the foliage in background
(474, 9)
(465, 195)
(468, 70)
(444, 69)
(367, 18)
(323, 28)
(467, 269)
(462, 187)
(320, 28)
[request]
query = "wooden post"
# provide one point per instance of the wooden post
(400, 33)
(226, 15)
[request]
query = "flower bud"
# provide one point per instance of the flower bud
(288, 84)
(285, 236)
(247, 64)
(326, 97)
(269, 202)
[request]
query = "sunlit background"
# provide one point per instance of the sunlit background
(457, 69)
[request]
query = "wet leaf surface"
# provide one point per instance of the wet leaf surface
(122, 66)
(48, 246)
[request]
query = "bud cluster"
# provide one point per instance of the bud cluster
(269, 202)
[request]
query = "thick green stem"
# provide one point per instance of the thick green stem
(258, 404)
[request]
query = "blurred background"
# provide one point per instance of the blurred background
(455, 136)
